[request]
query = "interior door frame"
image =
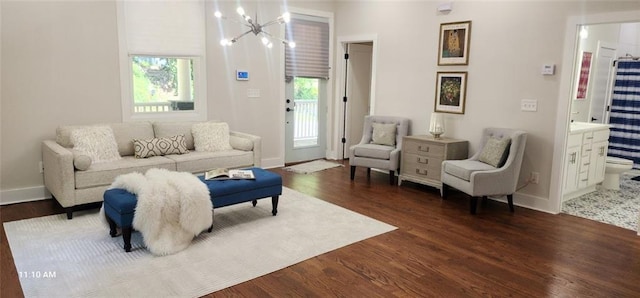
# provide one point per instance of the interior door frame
(564, 97)
(339, 121)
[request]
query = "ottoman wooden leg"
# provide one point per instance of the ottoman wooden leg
(274, 204)
(254, 202)
(126, 236)
(113, 228)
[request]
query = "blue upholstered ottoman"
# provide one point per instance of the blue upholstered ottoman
(119, 204)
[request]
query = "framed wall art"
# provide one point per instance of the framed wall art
(451, 89)
(453, 48)
(583, 77)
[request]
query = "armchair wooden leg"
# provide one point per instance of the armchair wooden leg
(510, 200)
(473, 205)
(353, 172)
(485, 199)
(392, 176)
(368, 173)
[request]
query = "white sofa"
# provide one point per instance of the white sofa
(72, 187)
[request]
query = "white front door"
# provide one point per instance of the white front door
(602, 82)
(305, 119)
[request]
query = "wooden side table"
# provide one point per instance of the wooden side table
(422, 157)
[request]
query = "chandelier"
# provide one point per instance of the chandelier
(256, 28)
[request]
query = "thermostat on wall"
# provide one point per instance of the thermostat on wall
(242, 75)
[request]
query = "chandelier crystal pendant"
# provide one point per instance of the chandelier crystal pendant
(256, 28)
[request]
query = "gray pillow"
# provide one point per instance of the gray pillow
(495, 152)
(384, 134)
(160, 146)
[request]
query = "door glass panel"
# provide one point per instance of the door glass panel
(305, 131)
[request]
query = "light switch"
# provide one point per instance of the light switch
(253, 93)
(529, 105)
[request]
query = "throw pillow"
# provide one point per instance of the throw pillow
(98, 142)
(160, 146)
(495, 152)
(211, 136)
(81, 161)
(384, 134)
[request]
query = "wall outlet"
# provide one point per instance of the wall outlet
(529, 105)
(40, 167)
(534, 178)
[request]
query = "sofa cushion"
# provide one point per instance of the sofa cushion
(373, 151)
(97, 142)
(384, 134)
(464, 168)
(160, 146)
(168, 129)
(123, 132)
(202, 161)
(104, 173)
(211, 136)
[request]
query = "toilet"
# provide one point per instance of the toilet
(614, 167)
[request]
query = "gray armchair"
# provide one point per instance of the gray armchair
(477, 178)
(380, 145)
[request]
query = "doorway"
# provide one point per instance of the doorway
(358, 75)
(305, 119)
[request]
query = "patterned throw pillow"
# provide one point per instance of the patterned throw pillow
(211, 136)
(384, 134)
(160, 146)
(98, 142)
(495, 152)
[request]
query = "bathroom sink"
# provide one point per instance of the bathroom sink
(580, 126)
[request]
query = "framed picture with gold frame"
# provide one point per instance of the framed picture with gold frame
(451, 89)
(453, 48)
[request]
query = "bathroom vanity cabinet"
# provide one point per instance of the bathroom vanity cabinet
(586, 158)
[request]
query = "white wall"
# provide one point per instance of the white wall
(59, 66)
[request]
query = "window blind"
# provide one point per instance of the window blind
(310, 57)
(165, 27)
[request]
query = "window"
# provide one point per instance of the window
(162, 60)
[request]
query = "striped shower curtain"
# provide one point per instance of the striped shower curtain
(624, 141)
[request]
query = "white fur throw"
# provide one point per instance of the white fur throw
(172, 208)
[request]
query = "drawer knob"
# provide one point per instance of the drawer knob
(423, 160)
(423, 148)
(424, 172)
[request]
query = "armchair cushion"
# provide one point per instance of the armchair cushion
(463, 168)
(384, 134)
(373, 151)
(495, 152)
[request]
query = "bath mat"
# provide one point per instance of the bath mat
(313, 166)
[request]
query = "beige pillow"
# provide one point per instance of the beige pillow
(384, 134)
(495, 152)
(98, 142)
(81, 161)
(210, 136)
(241, 143)
(160, 146)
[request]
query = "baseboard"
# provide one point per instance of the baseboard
(272, 163)
(529, 202)
(21, 195)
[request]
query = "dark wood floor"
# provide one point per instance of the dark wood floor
(439, 249)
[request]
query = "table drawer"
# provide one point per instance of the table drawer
(421, 171)
(423, 148)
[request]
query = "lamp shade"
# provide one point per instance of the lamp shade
(436, 125)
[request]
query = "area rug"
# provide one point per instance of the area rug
(313, 166)
(78, 258)
(615, 207)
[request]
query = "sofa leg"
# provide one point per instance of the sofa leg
(392, 176)
(126, 236)
(274, 205)
(353, 172)
(69, 211)
(473, 205)
(444, 191)
(510, 201)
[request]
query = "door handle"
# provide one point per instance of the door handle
(289, 109)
